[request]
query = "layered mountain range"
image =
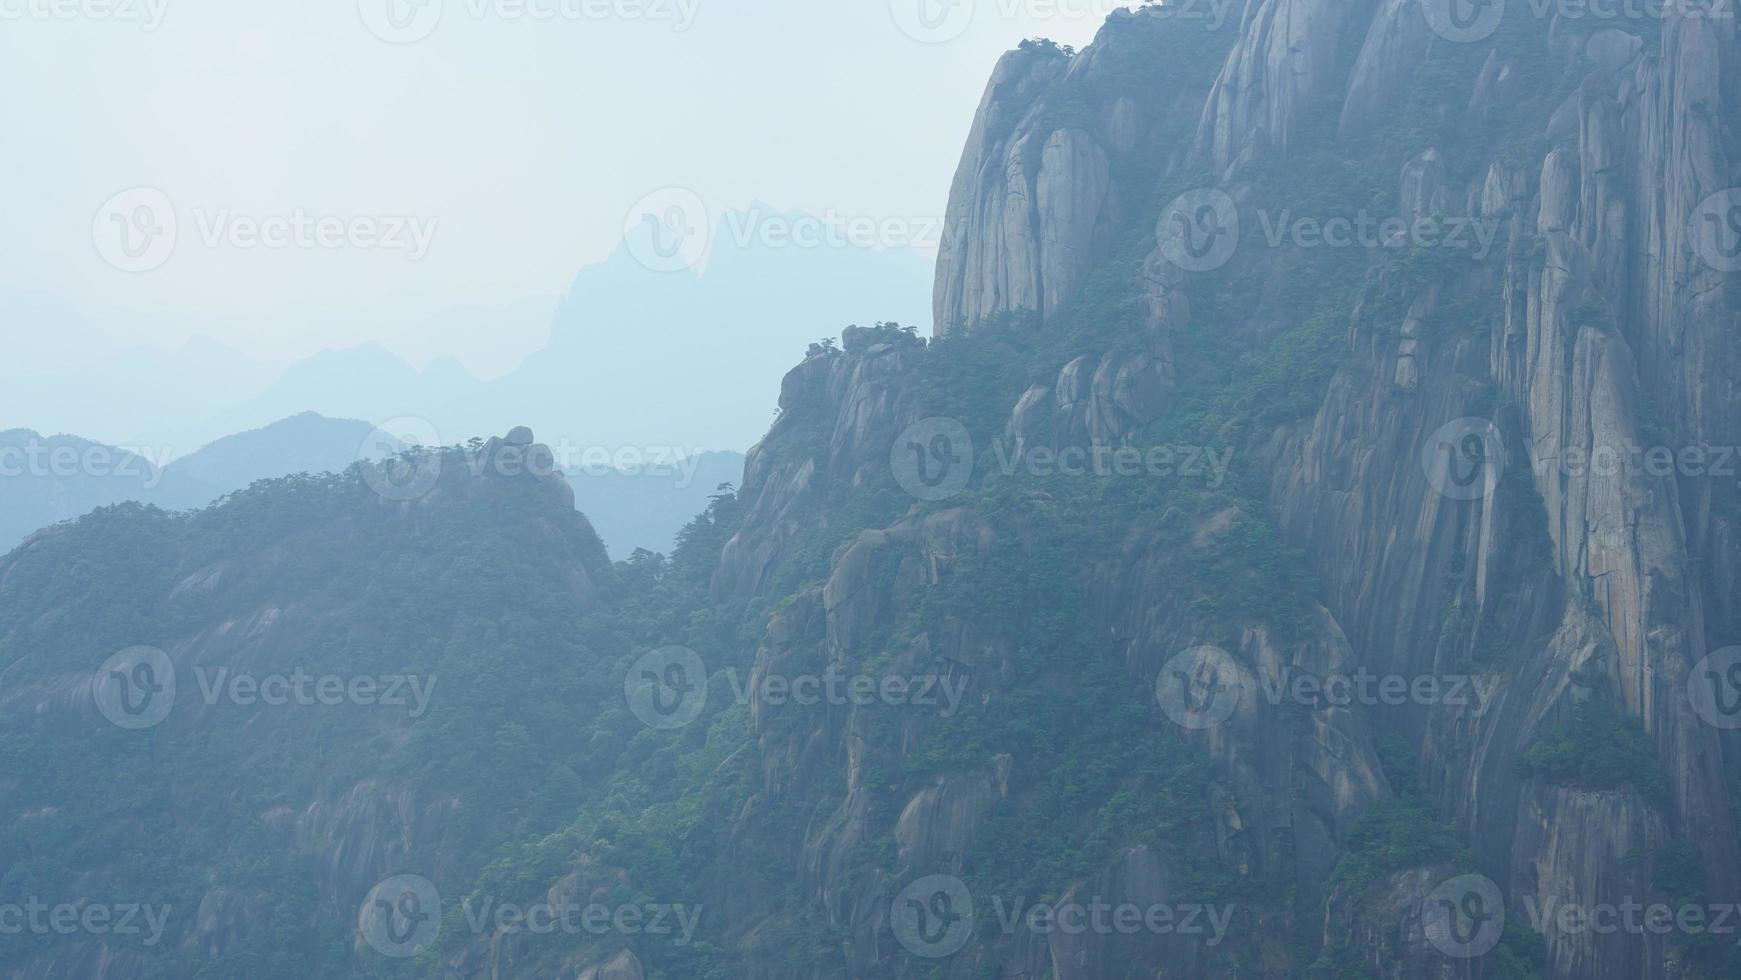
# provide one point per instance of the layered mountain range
(1306, 548)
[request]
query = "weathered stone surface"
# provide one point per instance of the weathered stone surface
(1285, 60)
(1394, 45)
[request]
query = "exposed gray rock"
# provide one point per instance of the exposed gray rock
(1613, 49)
(990, 259)
(1422, 190)
(1395, 44)
(1506, 187)
(1494, 89)
(1559, 192)
(1285, 60)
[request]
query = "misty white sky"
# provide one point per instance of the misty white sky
(525, 141)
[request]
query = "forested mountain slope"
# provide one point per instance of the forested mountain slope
(1271, 569)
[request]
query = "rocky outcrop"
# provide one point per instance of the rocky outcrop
(1395, 44)
(1598, 329)
(1288, 57)
(1044, 188)
(833, 760)
(994, 257)
(857, 398)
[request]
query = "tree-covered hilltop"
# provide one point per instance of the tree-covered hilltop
(487, 601)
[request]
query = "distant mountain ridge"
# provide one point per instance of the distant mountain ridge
(644, 356)
(48, 479)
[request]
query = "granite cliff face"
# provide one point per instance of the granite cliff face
(1593, 325)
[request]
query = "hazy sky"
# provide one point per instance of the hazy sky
(496, 148)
